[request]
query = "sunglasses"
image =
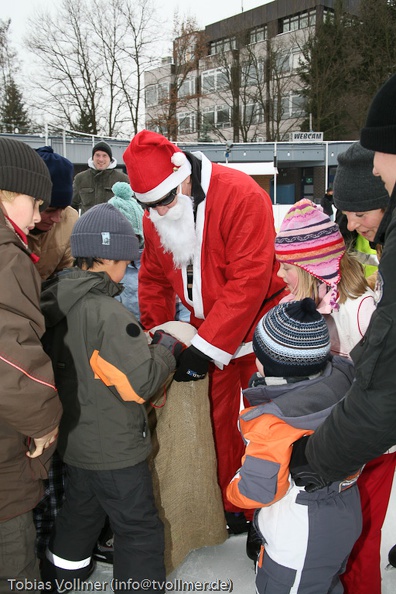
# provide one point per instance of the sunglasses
(168, 199)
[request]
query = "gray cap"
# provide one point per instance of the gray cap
(356, 188)
(23, 171)
(103, 232)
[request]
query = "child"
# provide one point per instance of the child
(306, 537)
(105, 372)
(314, 263)
(29, 403)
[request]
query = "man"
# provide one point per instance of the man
(209, 238)
(94, 185)
(327, 203)
(50, 239)
(363, 425)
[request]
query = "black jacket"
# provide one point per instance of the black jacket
(363, 425)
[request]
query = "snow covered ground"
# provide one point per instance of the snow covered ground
(228, 562)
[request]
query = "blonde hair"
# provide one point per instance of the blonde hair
(352, 285)
(7, 195)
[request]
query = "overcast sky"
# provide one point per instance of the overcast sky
(205, 11)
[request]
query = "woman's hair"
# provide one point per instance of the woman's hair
(352, 285)
(7, 195)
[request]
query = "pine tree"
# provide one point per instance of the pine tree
(13, 114)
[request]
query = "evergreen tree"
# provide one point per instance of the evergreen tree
(13, 114)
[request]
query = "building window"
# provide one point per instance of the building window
(187, 88)
(186, 123)
(298, 21)
(293, 106)
(252, 74)
(258, 34)
(253, 114)
(216, 117)
(222, 45)
(151, 96)
(214, 80)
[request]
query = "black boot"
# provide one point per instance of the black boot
(253, 543)
(236, 522)
(392, 556)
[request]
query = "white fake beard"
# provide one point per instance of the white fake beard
(176, 230)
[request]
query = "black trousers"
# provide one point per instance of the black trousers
(126, 496)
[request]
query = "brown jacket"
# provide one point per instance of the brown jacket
(29, 403)
(53, 246)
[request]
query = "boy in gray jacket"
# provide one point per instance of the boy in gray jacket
(105, 372)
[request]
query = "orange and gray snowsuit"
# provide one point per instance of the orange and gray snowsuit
(307, 537)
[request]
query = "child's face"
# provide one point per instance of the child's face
(289, 274)
(116, 269)
(260, 368)
(24, 211)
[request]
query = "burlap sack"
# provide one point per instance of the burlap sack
(183, 464)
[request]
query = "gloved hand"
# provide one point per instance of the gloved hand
(169, 342)
(300, 470)
(193, 365)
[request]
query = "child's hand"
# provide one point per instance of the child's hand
(42, 443)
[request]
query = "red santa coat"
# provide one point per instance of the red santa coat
(234, 284)
(234, 266)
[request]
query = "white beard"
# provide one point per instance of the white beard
(176, 230)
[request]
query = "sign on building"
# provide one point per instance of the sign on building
(307, 137)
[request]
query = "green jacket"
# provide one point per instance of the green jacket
(92, 187)
(104, 369)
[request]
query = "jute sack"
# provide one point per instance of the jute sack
(184, 469)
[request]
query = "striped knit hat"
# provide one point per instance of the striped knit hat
(309, 239)
(292, 340)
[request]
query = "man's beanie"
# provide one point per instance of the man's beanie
(61, 171)
(379, 133)
(309, 239)
(124, 201)
(23, 171)
(356, 188)
(102, 146)
(292, 339)
(155, 166)
(103, 232)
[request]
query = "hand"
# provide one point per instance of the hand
(193, 365)
(300, 470)
(169, 342)
(42, 443)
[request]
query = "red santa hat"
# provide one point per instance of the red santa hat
(155, 166)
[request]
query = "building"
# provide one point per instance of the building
(236, 80)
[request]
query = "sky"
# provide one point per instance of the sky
(205, 11)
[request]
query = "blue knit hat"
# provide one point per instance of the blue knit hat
(292, 340)
(124, 201)
(61, 171)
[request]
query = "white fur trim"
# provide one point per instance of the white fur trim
(178, 159)
(171, 182)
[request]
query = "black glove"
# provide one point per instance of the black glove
(193, 365)
(300, 470)
(169, 342)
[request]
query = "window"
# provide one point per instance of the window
(258, 34)
(216, 117)
(163, 92)
(186, 123)
(187, 88)
(298, 21)
(214, 80)
(222, 45)
(252, 74)
(254, 114)
(151, 96)
(292, 106)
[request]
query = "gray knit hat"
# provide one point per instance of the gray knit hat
(23, 171)
(102, 146)
(356, 188)
(103, 232)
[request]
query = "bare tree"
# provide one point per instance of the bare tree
(91, 57)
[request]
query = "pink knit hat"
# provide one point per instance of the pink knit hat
(155, 166)
(309, 239)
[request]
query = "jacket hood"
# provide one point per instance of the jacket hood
(61, 293)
